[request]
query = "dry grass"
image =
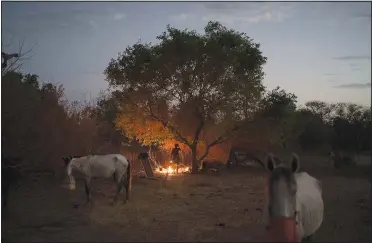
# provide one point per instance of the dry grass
(213, 207)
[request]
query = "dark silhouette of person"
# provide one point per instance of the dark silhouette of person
(175, 155)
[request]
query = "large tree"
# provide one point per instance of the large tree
(188, 84)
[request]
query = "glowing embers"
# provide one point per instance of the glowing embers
(172, 169)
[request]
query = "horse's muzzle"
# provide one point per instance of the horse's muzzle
(281, 229)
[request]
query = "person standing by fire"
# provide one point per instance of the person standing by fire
(175, 156)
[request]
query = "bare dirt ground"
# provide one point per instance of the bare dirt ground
(212, 207)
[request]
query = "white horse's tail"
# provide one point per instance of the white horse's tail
(129, 177)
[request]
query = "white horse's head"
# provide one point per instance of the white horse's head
(282, 186)
(68, 162)
(282, 191)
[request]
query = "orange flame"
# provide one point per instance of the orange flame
(171, 170)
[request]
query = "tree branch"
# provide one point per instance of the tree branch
(221, 139)
(9, 66)
(199, 114)
(180, 98)
(198, 131)
(167, 125)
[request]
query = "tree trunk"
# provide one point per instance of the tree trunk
(195, 166)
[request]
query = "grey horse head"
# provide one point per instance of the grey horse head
(282, 186)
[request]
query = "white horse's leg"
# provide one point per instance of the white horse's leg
(88, 189)
(127, 187)
(119, 185)
(128, 181)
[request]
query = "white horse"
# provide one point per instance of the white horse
(294, 211)
(103, 166)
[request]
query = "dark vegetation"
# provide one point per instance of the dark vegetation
(203, 91)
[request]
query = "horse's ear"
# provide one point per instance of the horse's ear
(295, 163)
(270, 162)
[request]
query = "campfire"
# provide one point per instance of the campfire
(172, 169)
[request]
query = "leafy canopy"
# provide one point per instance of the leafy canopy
(186, 84)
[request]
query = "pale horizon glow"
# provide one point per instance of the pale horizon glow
(316, 50)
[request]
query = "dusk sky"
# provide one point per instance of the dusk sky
(319, 51)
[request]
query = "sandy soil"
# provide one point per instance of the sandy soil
(224, 206)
